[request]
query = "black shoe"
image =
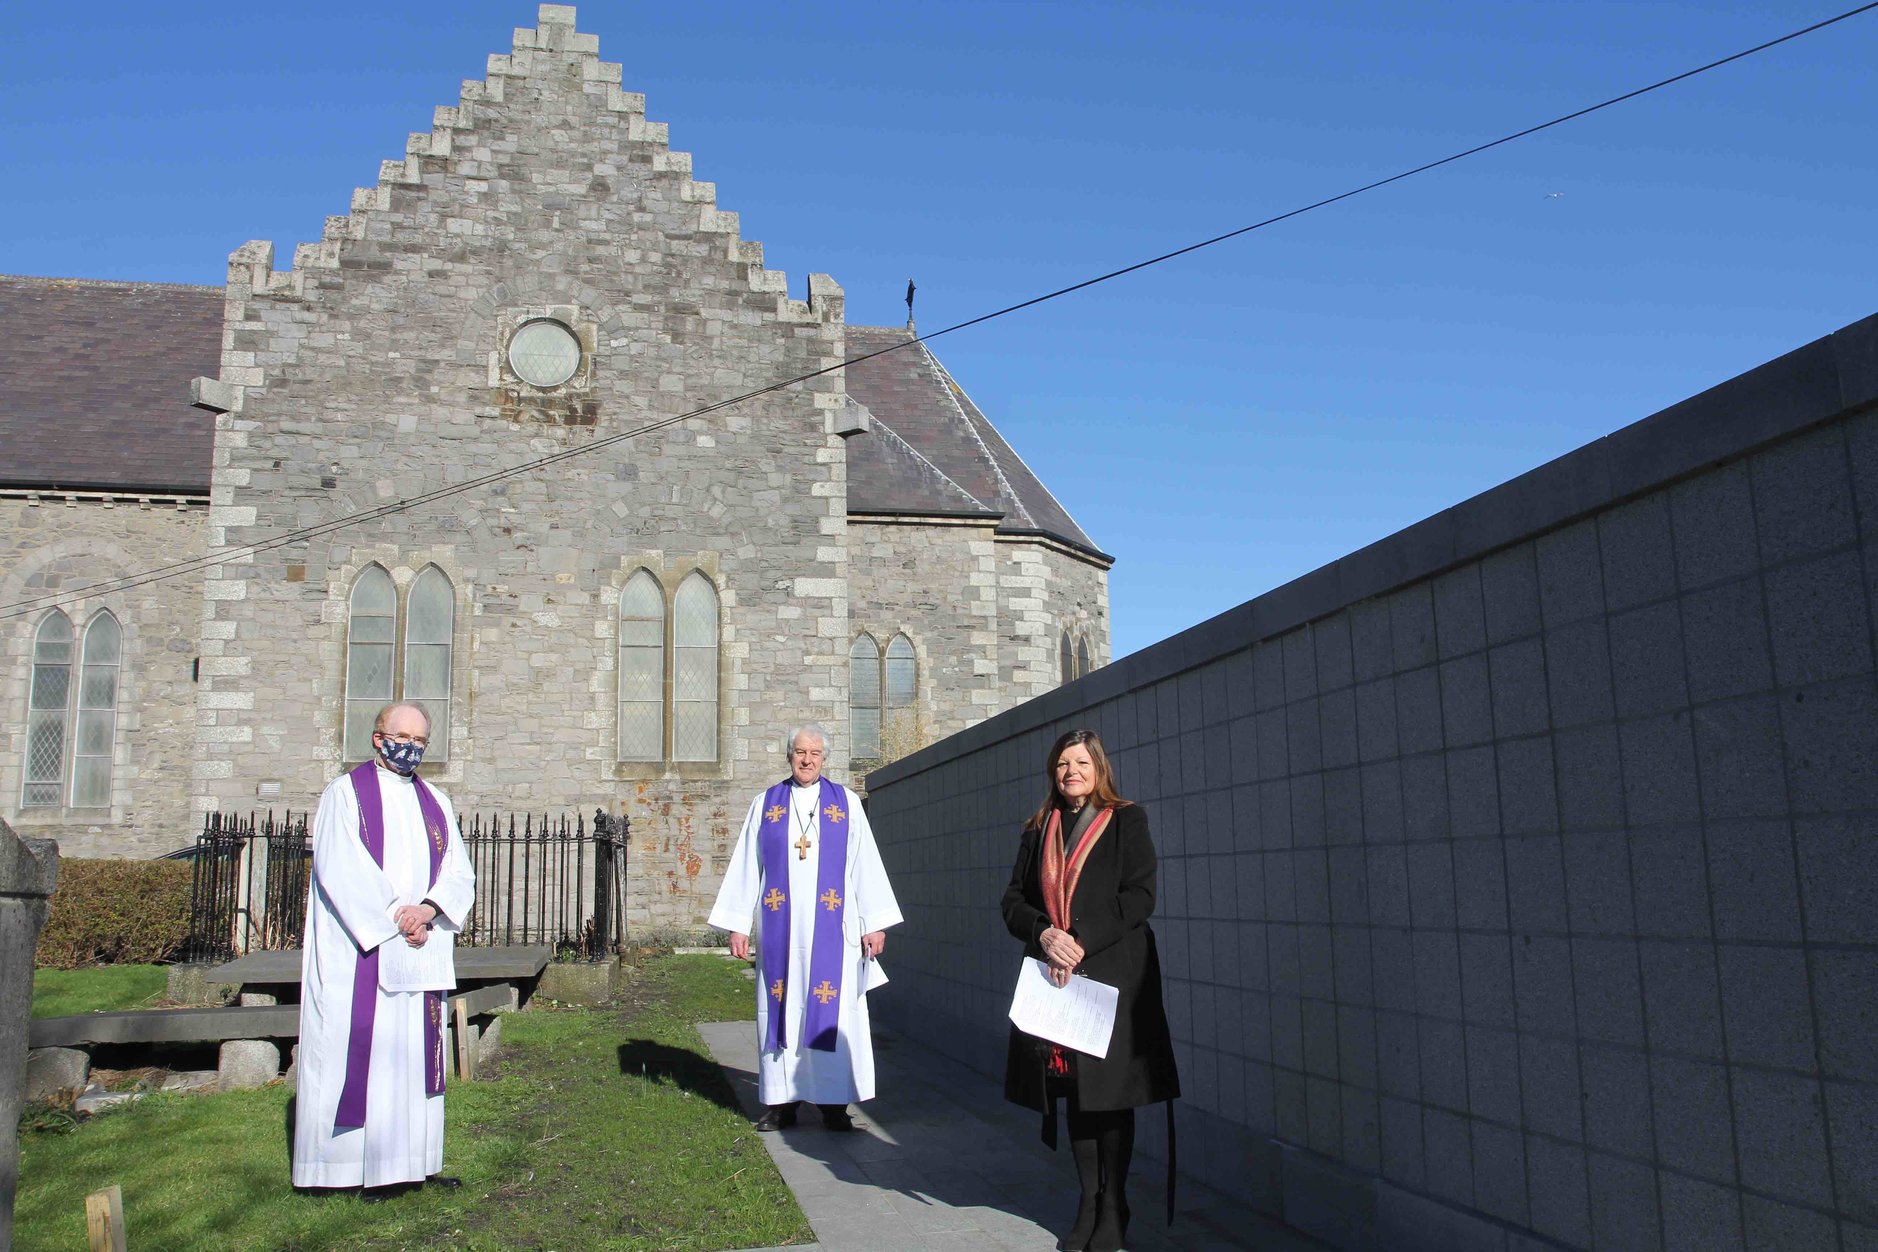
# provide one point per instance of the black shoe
(443, 1180)
(836, 1117)
(776, 1117)
(1078, 1237)
(378, 1195)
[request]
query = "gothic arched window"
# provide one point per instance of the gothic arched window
(902, 674)
(371, 636)
(864, 697)
(429, 626)
(641, 669)
(97, 713)
(1066, 660)
(694, 671)
(47, 713)
(1082, 657)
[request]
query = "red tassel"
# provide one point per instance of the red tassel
(1059, 1064)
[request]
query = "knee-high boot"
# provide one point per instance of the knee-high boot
(1089, 1177)
(1115, 1146)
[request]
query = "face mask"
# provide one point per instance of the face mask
(402, 757)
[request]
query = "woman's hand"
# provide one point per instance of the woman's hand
(1061, 948)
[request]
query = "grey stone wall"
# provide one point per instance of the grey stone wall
(54, 547)
(371, 371)
(983, 611)
(1518, 881)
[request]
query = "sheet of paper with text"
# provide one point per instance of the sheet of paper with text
(1079, 1016)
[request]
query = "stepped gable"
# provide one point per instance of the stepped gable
(923, 409)
(94, 384)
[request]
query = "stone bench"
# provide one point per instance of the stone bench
(250, 1055)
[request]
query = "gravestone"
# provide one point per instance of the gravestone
(29, 868)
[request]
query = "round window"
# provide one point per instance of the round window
(544, 354)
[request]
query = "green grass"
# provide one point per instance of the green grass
(63, 992)
(601, 1129)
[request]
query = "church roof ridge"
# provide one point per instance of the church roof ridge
(915, 393)
(116, 284)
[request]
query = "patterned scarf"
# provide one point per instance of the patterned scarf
(1060, 872)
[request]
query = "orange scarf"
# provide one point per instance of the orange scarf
(1059, 874)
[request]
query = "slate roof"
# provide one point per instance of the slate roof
(94, 384)
(933, 451)
(94, 395)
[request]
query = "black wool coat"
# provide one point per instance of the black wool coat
(1109, 917)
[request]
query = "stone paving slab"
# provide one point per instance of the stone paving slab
(943, 1164)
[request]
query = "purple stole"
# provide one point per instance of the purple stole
(827, 949)
(365, 978)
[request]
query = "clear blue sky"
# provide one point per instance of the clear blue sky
(1221, 424)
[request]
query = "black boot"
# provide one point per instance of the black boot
(1087, 1173)
(1115, 1146)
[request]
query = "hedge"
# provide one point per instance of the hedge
(116, 912)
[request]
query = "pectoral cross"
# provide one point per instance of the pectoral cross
(802, 847)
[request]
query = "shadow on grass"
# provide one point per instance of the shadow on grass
(687, 1070)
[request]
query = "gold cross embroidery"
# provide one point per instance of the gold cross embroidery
(825, 992)
(774, 812)
(802, 847)
(436, 838)
(774, 899)
(832, 900)
(776, 989)
(834, 812)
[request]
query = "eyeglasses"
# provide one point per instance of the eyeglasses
(404, 740)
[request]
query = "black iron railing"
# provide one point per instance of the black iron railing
(539, 880)
(250, 884)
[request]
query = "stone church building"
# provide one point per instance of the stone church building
(630, 622)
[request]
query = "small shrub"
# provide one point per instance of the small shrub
(114, 912)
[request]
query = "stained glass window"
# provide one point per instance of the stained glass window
(694, 671)
(864, 697)
(48, 712)
(371, 631)
(544, 353)
(429, 631)
(641, 669)
(97, 714)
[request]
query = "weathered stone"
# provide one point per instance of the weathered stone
(50, 1071)
(29, 870)
(578, 982)
(245, 1063)
(192, 1080)
(96, 1100)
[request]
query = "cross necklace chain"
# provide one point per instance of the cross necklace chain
(802, 845)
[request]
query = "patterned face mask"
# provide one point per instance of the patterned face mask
(402, 757)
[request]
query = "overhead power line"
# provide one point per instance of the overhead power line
(244, 552)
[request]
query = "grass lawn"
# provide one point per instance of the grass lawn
(601, 1129)
(63, 992)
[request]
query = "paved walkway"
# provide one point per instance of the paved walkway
(943, 1164)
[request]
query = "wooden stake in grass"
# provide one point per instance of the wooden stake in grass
(104, 1219)
(465, 1062)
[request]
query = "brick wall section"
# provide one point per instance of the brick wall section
(55, 547)
(1519, 886)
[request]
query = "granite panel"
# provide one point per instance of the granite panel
(1803, 496)
(1638, 554)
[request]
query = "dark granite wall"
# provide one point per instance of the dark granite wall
(1519, 885)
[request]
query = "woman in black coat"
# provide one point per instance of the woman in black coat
(1079, 899)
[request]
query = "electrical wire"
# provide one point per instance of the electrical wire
(249, 551)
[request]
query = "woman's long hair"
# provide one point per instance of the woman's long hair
(1104, 794)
